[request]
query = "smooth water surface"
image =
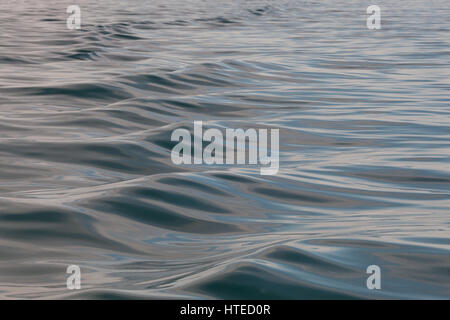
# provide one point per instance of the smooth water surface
(86, 176)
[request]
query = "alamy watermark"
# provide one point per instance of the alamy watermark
(73, 281)
(74, 20)
(374, 280)
(231, 148)
(374, 20)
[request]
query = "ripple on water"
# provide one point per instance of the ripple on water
(86, 177)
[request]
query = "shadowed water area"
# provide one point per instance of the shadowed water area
(86, 176)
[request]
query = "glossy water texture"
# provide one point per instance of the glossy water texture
(85, 171)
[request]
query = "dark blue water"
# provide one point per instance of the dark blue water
(85, 171)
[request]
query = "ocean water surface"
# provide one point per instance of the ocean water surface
(86, 176)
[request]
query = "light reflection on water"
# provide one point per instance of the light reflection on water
(86, 176)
